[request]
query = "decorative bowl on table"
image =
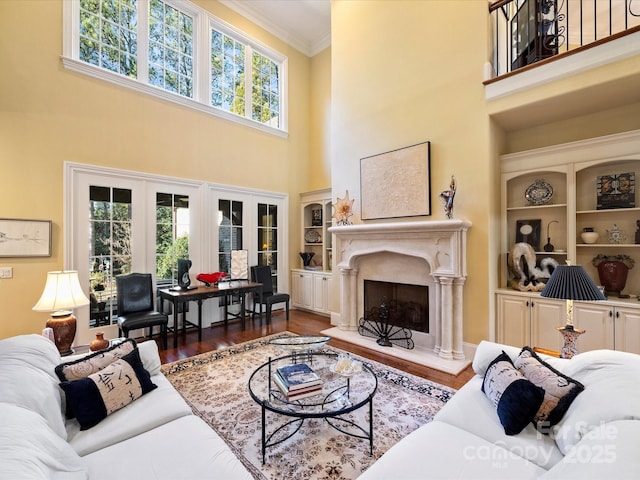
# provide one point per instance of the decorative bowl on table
(300, 343)
(346, 365)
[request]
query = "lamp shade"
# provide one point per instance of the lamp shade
(61, 292)
(571, 282)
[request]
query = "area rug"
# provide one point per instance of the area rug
(215, 386)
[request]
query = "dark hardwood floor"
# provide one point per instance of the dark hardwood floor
(301, 323)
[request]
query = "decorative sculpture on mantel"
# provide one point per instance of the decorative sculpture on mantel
(447, 198)
(342, 210)
(527, 277)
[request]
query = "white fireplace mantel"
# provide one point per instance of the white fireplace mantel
(439, 243)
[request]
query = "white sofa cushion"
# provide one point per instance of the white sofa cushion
(150, 357)
(611, 393)
(607, 452)
(30, 449)
(27, 377)
(185, 448)
(471, 410)
(160, 406)
(487, 351)
(442, 451)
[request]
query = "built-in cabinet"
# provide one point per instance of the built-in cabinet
(311, 285)
(311, 290)
(549, 197)
(530, 320)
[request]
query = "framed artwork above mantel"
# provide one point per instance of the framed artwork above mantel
(397, 183)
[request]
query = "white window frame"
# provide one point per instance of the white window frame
(204, 21)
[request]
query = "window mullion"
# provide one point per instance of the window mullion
(143, 41)
(248, 81)
(202, 61)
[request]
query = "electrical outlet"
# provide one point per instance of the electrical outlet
(6, 272)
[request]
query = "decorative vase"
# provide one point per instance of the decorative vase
(613, 275)
(306, 258)
(589, 237)
(100, 343)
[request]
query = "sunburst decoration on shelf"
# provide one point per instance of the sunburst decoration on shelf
(342, 210)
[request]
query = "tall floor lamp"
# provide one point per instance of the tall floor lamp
(571, 282)
(62, 292)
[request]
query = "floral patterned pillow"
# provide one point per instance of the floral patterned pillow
(559, 389)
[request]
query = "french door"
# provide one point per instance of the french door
(119, 222)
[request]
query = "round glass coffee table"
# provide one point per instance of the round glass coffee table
(338, 395)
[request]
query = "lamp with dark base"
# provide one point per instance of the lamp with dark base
(61, 293)
(571, 282)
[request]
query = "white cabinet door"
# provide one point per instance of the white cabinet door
(546, 317)
(627, 330)
(514, 320)
(598, 321)
(301, 289)
(321, 292)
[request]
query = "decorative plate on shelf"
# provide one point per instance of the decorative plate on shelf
(539, 192)
(311, 236)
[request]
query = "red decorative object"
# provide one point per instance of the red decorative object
(613, 275)
(210, 278)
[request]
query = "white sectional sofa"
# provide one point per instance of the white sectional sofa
(597, 438)
(155, 437)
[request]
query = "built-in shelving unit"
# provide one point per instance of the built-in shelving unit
(573, 172)
(311, 286)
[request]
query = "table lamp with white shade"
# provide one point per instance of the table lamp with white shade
(62, 292)
(571, 282)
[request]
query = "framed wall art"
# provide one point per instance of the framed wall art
(617, 191)
(25, 238)
(528, 231)
(396, 183)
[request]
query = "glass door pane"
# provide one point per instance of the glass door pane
(172, 236)
(109, 249)
(268, 238)
(230, 226)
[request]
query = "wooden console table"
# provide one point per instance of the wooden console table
(201, 293)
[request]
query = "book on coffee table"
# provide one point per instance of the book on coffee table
(299, 393)
(298, 376)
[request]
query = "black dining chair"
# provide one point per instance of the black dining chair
(262, 274)
(136, 307)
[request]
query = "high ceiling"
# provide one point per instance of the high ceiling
(303, 24)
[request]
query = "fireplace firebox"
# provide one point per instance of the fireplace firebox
(392, 311)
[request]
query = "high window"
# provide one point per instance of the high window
(180, 52)
(256, 95)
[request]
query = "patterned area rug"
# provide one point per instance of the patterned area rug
(215, 385)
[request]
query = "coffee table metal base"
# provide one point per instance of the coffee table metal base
(272, 439)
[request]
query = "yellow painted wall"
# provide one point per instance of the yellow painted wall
(49, 115)
(401, 77)
(319, 168)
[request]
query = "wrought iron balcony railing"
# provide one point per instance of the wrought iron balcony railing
(527, 31)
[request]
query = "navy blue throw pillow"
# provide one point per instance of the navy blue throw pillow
(516, 399)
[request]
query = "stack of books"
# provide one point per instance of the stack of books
(297, 381)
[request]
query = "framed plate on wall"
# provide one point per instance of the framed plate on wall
(528, 231)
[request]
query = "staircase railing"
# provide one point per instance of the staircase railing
(527, 31)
